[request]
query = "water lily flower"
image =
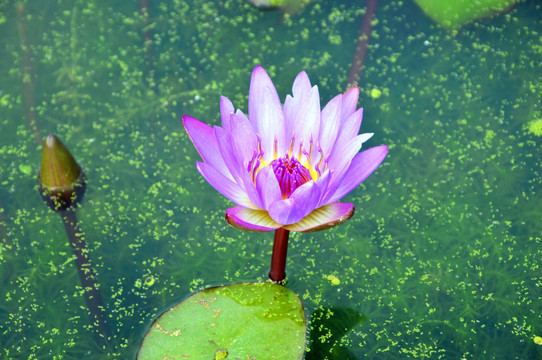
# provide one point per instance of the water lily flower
(286, 166)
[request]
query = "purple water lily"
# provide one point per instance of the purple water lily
(286, 166)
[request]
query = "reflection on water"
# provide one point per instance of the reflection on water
(442, 256)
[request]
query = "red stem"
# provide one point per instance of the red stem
(278, 258)
(89, 280)
(28, 76)
(363, 42)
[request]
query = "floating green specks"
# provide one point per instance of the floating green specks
(333, 280)
(288, 7)
(328, 329)
(61, 179)
(453, 14)
(535, 127)
(241, 321)
(25, 169)
(376, 93)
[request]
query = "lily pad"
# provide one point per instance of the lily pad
(240, 321)
(453, 14)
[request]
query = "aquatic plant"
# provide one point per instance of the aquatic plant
(286, 166)
(240, 321)
(453, 14)
(457, 204)
(61, 180)
(61, 183)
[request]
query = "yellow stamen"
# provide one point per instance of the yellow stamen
(291, 149)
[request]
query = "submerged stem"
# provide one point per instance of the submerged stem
(88, 277)
(356, 69)
(278, 258)
(28, 75)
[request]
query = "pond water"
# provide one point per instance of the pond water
(442, 259)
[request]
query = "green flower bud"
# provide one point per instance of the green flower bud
(61, 180)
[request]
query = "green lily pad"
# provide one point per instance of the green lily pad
(453, 14)
(240, 321)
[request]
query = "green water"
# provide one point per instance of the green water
(442, 258)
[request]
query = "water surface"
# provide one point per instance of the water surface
(442, 258)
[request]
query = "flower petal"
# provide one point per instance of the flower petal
(307, 120)
(237, 165)
(248, 219)
(300, 89)
(330, 122)
(226, 109)
(251, 190)
(203, 138)
(300, 203)
(265, 110)
(301, 85)
(226, 187)
(361, 167)
(323, 184)
(324, 217)
(302, 113)
(225, 146)
(245, 141)
(350, 103)
(268, 187)
(339, 163)
(340, 159)
(349, 129)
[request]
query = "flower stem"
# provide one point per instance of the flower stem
(28, 75)
(278, 258)
(356, 69)
(88, 277)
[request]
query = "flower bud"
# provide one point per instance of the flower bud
(61, 180)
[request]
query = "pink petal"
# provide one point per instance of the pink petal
(302, 113)
(203, 138)
(289, 113)
(324, 217)
(225, 146)
(237, 166)
(253, 220)
(300, 203)
(225, 186)
(245, 141)
(301, 85)
(265, 110)
(323, 184)
(300, 90)
(330, 122)
(349, 129)
(307, 119)
(341, 157)
(339, 164)
(250, 189)
(361, 167)
(226, 109)
(268, 187)
(350, 103)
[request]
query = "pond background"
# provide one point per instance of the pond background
(442, 259)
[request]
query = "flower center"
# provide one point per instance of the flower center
(290, 174)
